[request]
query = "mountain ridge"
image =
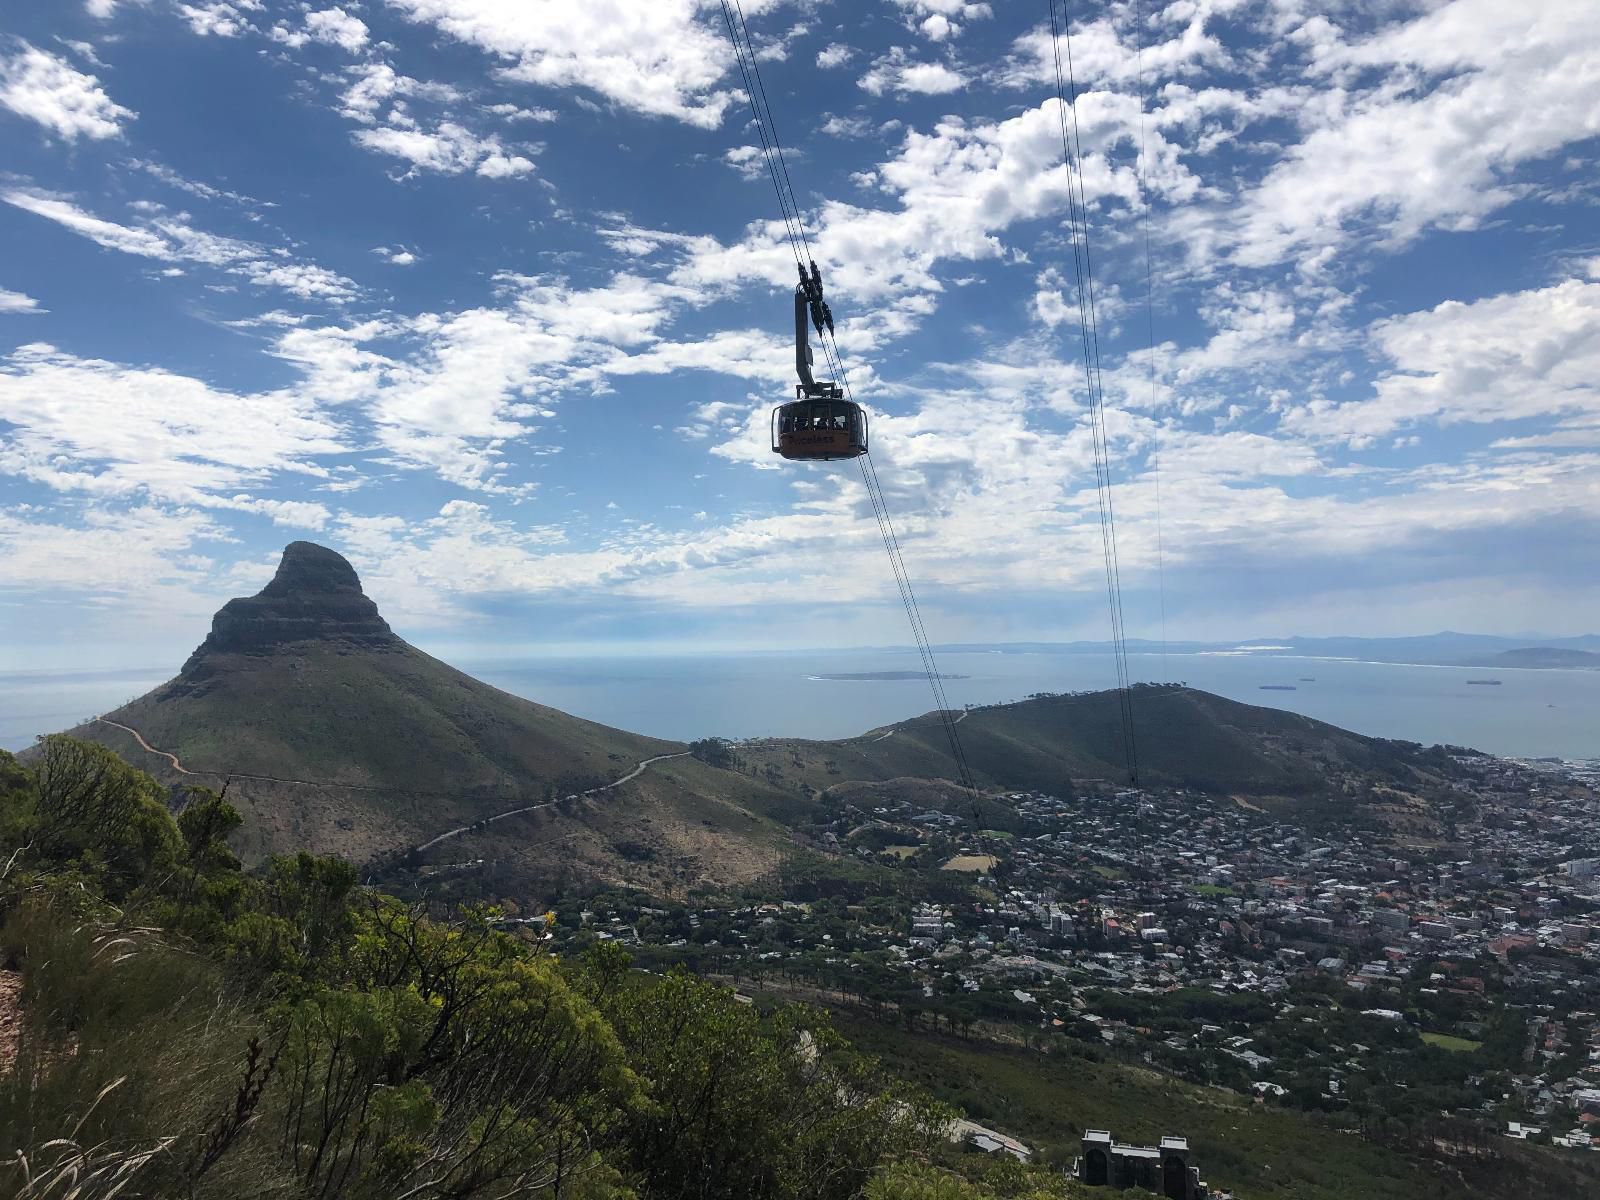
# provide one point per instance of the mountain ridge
(335, 734)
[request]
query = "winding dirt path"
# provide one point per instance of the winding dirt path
(448, 834)
(367, 787)
(139, 737)
(528, 808)
(965, 713)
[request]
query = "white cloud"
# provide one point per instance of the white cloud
(850, 127)
(93, 556)
(293, 514)
(375, 85)
(1102, 54)
(47, 89)
(958, 187)
(103, 233)
(194, 187)
(894, 72)
(1501, 359)
(835, 54)
(338, 28)
(513, 112)
(938, 20)
(749, 160)
(467, 383)
(1509, 84)
(218, 19)
(17, 302)
(665, 58)
(398, 255)
(448, 149)
(104, 430)
(100, 9)
(173, 239)
(215, 20)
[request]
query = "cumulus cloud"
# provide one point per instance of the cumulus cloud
(46, 88)
(665, 59)
(835, 54)
(219, 19)
(375, 86)
(1505, 358)
(938, 20)
(1510, 84)
(104, 430)
(957, 189)
(895, 72)
(330, 26)
(17, 302)
(338, 28)
(1105, 54)
(447, 149)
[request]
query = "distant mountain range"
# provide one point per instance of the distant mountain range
(335, 735)
(1434, 649)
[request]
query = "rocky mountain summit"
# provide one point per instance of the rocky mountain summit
(315, 596)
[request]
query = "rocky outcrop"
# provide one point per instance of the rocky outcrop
(316, 596)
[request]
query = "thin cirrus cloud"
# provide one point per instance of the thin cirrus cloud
(171, 238)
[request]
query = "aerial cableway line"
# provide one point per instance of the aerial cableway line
(830, 400)
(1089, 329)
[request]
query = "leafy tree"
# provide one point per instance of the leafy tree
(715, 752)
(743, 1105)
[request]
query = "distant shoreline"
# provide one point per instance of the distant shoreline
(882, 676)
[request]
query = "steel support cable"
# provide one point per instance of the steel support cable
(745, 58)
(794, 227)
(1083, 270)
(1150, 321)
(891, 541)
(772, 125)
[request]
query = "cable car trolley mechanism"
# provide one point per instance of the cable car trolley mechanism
(819, 423)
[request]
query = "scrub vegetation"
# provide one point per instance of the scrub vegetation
(190, 1029)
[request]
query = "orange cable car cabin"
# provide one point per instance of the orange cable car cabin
(819, 423)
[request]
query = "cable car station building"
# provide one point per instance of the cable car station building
(1162, 1169)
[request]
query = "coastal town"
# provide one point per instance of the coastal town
(1419, 960)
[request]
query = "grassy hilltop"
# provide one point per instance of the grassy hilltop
(1185, 738)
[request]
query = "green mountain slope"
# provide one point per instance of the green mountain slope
(1184, 738)
(336, 735)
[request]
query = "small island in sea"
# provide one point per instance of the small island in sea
(885, 675)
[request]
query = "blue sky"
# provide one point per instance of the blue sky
(490, 296)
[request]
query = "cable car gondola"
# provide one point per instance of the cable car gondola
(819, 424)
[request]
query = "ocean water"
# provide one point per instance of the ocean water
(1530, 714)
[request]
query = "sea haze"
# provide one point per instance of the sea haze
(1530, 714)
